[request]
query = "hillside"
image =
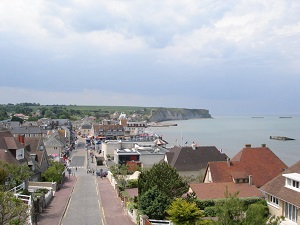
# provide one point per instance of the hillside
(75, 112)
(165, 114)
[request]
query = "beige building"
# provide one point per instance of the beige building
(283, 195)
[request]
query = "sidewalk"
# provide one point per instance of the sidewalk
(112, 204)
(112, 208)
(53, 214)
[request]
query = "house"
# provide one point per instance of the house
(205, 191)
(86, 130)
(192, 161)
(55, 144)
(108, 132)
(37, 150)
(11, 144)
(258, 164)
(28, 131)
(283, 195)
(13, 151)
(143, 153)
(133, 129)
(21, 116)
(49, 124)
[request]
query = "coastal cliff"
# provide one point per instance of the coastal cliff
(165, 114)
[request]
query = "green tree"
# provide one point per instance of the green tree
(14, 118)
(12, 209)
(231, 210)
(165, 178)
(12, 175)
(256, 214)
(3, 176)
(49, 113)
(154, 203)
(182, 212)
(54, 172)
(32, 118)
(3, 114)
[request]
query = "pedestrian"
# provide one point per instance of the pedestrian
(93, 172)
(76, 168)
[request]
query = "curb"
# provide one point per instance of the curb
(66, 206)
(102, 209)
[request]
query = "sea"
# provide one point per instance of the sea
(230, 134)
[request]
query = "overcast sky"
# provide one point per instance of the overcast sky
(230, 57)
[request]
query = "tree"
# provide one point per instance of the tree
(12, 209)
(3, 114)
(181, 212)
(154, 203)
(256, 214)
(165, 178)
(54, 172)
(231, 210)
(12, 175)
(14, 118)
(48, 113)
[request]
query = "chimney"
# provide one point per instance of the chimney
(263, 145)
(228, 161)
(250, 180)
(22, 139)
(248, 145)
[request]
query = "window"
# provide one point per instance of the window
(274, 200)
(295, 184)
(292, 181)
(291, 212)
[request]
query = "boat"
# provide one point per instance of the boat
(282, 138)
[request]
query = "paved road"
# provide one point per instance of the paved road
(84, 198)
(84, 207)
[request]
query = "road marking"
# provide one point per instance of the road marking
(66, 211)
(74, 167)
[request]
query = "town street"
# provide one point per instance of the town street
(84, 206)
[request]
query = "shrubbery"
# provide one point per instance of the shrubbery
(210, 211)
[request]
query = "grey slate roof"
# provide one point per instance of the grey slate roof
(187, 159)
(27, 130)
(86, 126)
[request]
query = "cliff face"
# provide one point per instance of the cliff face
(165, 114)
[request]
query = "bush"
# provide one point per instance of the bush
(210, 211)
(42, 190)
(25, 192)
(202, 204)
(250, 201)
(132, 183)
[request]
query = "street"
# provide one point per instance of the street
(84, 206)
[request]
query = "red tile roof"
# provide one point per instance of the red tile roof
(217, 190)
(259, 162)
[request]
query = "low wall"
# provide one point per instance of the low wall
(33, 186)
(52, 185)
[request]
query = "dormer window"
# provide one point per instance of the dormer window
(292, 181)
